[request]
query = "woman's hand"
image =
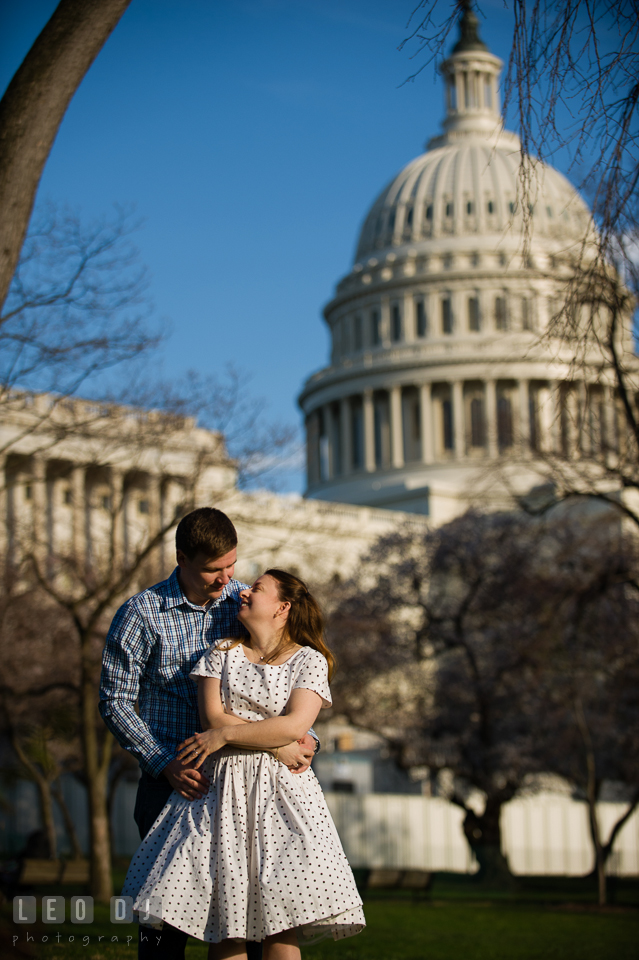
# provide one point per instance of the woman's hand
(197, 748)
(295, 756)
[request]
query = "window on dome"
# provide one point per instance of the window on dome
(473, 314)
(526, 314)
(504, 422)
(491, 206)
(534, 419)
(381, 419)
(334, 422)
(470, 207)
(549, 211)
(324, 447)
(376, 331)
(409, 217)
(411, 425)
(447, 425)
(357, 333)
(511, 206)
(420, 318)
(336, 340)
(429, 211)
(447, 316)
(477, 426)
(396, 323)
(501, 315)
(449, 209)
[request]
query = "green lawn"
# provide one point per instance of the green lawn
(543, 920)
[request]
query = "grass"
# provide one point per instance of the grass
(542, 919)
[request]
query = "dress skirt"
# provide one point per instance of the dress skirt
(257, 855)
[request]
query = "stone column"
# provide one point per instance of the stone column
(78, 499)
(117, 514)
(490, 389)
(346, 435)
(369, 431)
(571, 418)
(524, 417)
(312, 447)
(426, 416)
(397, 435)
(555, 416)
(40, 518)
(154, 491)
(459, 429)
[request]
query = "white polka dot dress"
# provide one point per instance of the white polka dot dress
(259, 853)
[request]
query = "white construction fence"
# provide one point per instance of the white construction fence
(545, 834)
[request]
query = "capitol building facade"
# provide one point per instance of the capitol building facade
(440, 373)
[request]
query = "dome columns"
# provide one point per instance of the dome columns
(412, 426)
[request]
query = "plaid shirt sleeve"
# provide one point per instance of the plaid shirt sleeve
(126, 652)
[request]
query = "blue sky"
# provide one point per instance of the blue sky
(252, 136)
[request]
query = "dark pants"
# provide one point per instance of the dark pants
(152, 795)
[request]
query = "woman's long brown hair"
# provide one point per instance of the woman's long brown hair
(305, 623)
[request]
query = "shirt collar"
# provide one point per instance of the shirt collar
(174, 595)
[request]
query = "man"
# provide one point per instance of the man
(154, 642)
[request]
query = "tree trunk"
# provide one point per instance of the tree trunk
(69, 826)
(592, 791)
(484, 837)
(96, 764)
(46, 810)
(33, 106)
(44, 794)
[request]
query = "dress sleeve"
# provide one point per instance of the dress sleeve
(210, 665)
(313, 675)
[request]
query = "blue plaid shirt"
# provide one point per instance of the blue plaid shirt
(154, 642)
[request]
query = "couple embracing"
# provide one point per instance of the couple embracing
(238, 845)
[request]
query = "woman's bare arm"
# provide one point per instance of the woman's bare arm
(213, 716)
(301, 712)
(210, 706)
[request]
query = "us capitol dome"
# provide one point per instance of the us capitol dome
(438, 370)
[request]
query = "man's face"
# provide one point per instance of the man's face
(203, 578)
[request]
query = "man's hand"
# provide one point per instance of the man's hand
(188, 782)
(308, 743)
(296, 756)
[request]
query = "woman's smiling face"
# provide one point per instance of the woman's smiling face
(261, 602)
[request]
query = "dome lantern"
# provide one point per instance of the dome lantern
(471, 75)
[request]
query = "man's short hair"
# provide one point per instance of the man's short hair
(207, 531)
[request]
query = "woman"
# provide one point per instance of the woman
(257, 858)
